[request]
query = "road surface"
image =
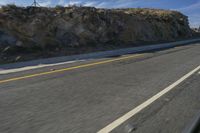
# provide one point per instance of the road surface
(154, 92)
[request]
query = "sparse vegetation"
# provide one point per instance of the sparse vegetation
(61, 29)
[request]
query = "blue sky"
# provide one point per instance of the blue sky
(191, 8)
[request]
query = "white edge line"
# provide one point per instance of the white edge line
(35, 67)
(136, 110)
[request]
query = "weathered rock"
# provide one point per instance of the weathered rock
(6, 39)
(62, 27)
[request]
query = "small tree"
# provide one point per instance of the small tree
(9, 7)
(59, 7)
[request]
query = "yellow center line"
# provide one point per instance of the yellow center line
(69, 68)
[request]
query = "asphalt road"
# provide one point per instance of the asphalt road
(87, 98)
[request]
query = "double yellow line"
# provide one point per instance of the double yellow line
(69, 68)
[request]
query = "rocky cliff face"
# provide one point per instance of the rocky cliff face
(33, 29)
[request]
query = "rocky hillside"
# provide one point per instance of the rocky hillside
(34, 30)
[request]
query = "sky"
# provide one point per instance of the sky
(191, 8)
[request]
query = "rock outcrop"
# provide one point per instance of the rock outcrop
(31, 29)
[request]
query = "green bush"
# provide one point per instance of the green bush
(9, 7)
